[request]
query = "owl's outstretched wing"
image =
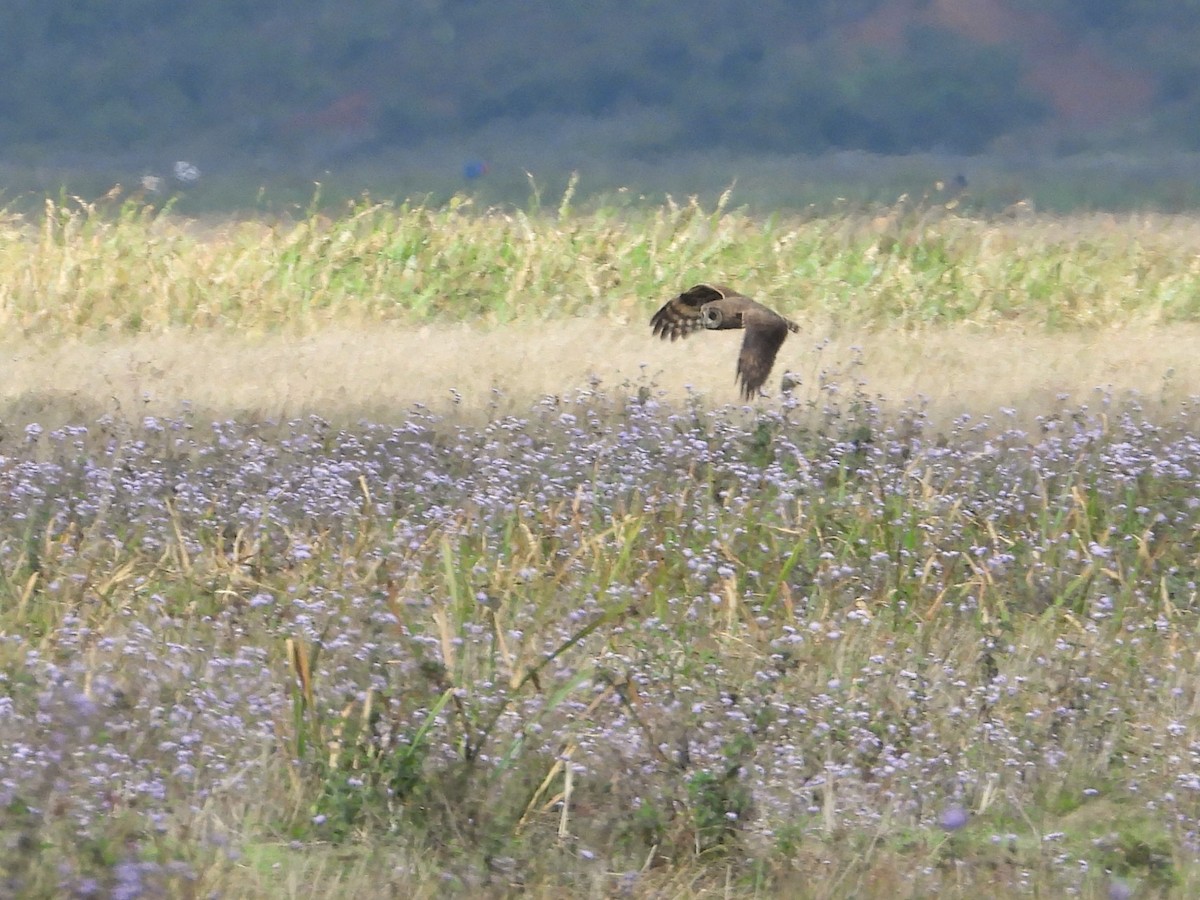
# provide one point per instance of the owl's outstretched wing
(680, 316)
(765, 333)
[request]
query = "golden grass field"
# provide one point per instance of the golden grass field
(345, 373)
(105, 305)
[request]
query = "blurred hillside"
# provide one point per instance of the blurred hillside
(290, 85)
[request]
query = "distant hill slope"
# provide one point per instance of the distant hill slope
(889, 76)
(1082, 82)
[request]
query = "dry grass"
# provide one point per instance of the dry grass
(347, 373)
(110, 307)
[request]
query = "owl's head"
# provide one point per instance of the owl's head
(716, 318)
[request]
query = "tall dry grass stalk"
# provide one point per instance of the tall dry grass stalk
(86, 267)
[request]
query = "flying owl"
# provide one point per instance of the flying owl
(717, 307)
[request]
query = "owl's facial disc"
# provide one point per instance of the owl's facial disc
(711, 316)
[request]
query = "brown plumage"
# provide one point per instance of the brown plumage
(717, 307)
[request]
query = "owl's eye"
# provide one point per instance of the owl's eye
(711, 316)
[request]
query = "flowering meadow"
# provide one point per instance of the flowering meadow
(599, 645)
(610, 645)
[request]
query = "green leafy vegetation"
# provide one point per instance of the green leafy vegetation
(106, 266)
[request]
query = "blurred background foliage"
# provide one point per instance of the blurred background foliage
(312, 82)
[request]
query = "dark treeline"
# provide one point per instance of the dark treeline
(890, 76)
